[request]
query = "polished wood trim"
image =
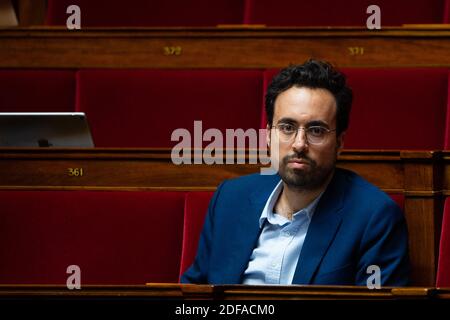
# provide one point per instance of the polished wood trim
(152, 168)
(32, 12)
(118, 188)
(240, 47)
(443, 293)
(215, 292)
(165, 153)
(162, 290)
(310, 292)
(413, 291)
(240, 31)
(89, 291)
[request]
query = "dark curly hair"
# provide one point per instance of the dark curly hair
(313, 74)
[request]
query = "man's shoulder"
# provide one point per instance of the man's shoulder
(359, 188)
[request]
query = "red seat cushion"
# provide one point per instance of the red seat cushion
(37, 91)
(443, 274)
(395, 108)
(335, 13)
(114, 237)
(141, 108)
(196, 207)
(142, 13)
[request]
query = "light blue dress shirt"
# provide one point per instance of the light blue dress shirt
(275, 256)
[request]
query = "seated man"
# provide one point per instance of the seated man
(312, 223)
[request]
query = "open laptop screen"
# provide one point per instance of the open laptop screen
(46, 129)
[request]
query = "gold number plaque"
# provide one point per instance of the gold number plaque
(356, 51)
(75, 172)
(172, 51)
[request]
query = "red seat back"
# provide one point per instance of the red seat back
(114, 237)
(395, 108)
(37, 91)
(336, 13)
(147, 13)
(196, 207)
(141, 108)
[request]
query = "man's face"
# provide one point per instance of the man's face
(302, 164)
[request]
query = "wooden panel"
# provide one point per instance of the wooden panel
(423, 172)
(423, 211)
(153, 168)
(446, 173)
(239, 47)
(423, 217)
(110, 169)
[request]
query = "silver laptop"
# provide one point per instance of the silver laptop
(46, 129)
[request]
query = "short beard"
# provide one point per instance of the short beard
(311, 178)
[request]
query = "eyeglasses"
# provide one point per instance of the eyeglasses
(314, 134)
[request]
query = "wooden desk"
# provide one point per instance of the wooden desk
(244, 47)
(423, 177)
(174, 301)
(216, 292)
(411, 172)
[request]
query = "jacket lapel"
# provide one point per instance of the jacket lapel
(322, 229)
(247, 228)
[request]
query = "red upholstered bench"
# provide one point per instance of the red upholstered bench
(141, 108)
(147, 13)
(37, 90)
(443, 272)
(115, 237)
(336, 13)
(395, 108)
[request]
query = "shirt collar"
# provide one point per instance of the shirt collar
(268, 208)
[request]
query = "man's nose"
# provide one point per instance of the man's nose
(300, 141)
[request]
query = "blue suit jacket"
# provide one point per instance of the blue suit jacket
(355, 225)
